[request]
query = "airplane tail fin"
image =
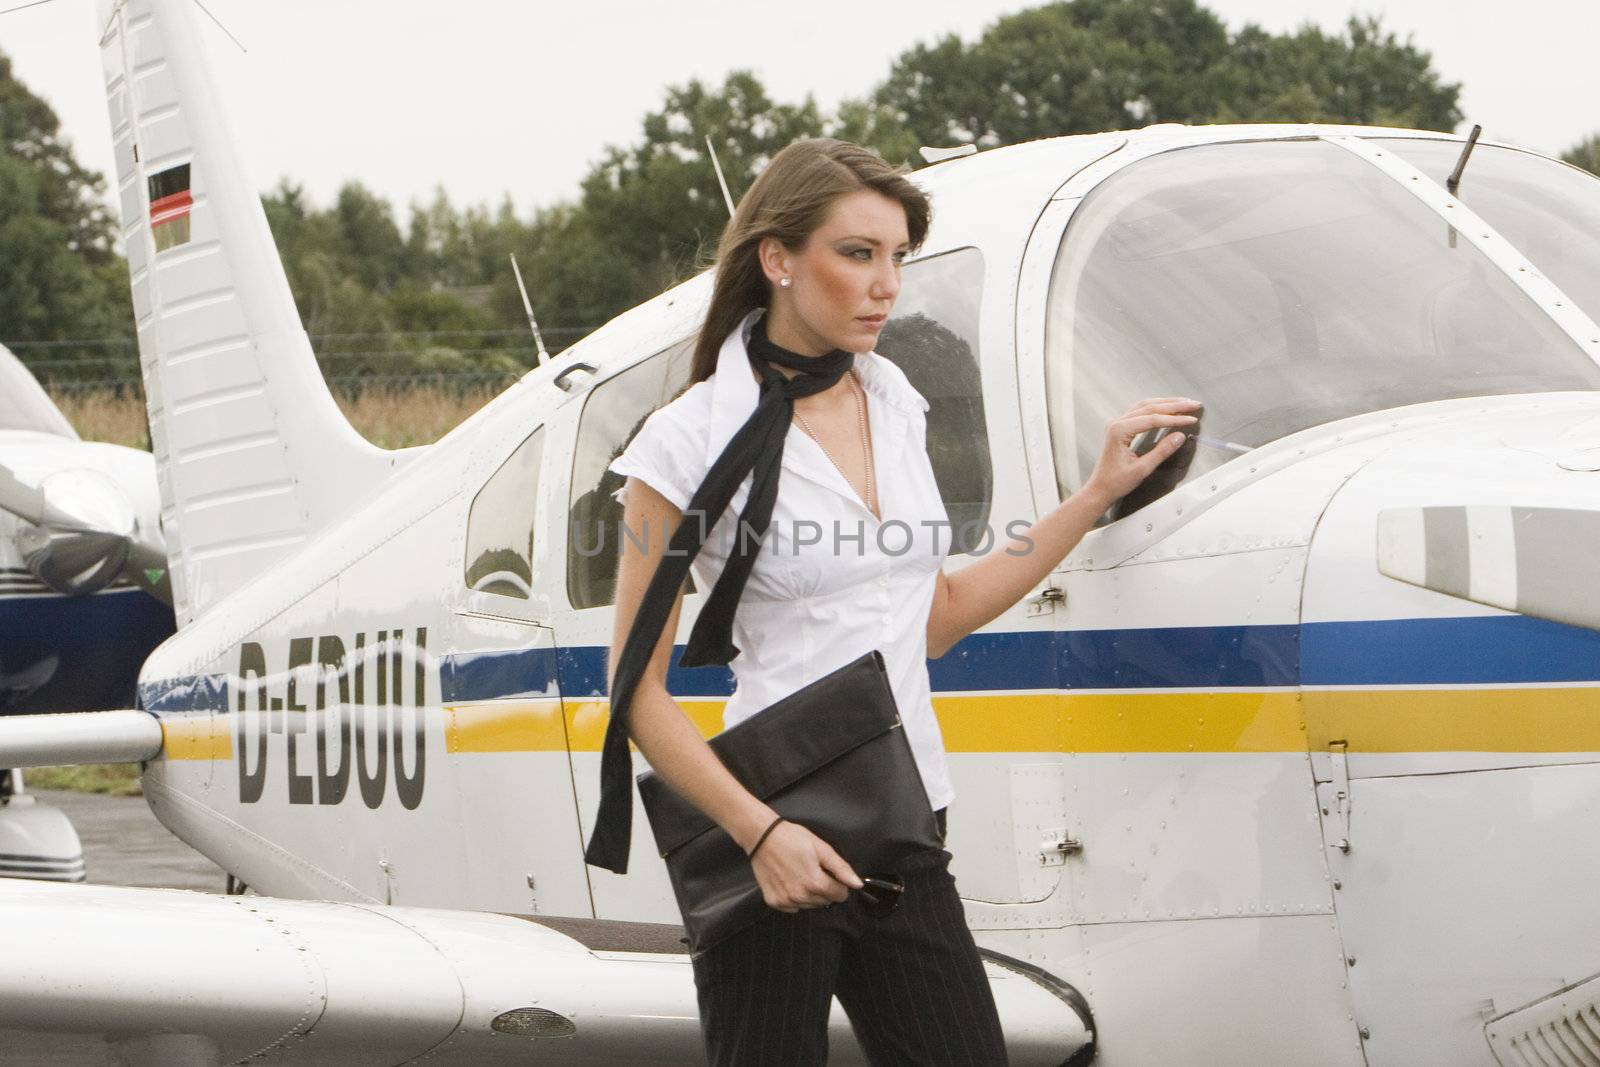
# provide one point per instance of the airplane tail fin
(253, 455)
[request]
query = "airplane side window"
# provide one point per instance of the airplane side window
(933, 337)
(612, 414)
(501, 524)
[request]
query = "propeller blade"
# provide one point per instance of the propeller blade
(1532, 560)
(24, 501)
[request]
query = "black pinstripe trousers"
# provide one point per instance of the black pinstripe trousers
(911, 982)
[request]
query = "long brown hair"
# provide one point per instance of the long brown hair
(788, 202)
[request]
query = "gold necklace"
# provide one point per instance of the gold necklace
(866, 450)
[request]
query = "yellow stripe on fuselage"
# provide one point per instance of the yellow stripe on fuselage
(194, 737)
(505, 726)
(1563, 719)
(1552, 719)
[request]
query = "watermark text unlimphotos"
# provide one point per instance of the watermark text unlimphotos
(893, 537)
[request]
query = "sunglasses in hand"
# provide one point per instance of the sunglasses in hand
(880, 895)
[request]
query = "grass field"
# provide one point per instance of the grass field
(391, 417)
(116, 779)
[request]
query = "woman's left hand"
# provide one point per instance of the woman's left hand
(1119, 469)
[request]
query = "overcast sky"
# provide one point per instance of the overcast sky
(486, 97)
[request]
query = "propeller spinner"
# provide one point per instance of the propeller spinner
(80, 534)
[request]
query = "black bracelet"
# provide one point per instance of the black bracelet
(770, 827)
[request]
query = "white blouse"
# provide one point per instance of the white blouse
(830, 581)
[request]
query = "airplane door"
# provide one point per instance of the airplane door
(951, 333)
(588, 544)
(1455, 761)
(505, 730)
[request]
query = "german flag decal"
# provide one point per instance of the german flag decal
(169, 207)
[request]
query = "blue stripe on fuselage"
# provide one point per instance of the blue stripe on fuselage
(1488, 650)
(203, 692)
(1491, 650)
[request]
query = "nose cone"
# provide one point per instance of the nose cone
(84, 540)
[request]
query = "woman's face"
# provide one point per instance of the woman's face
(843, 280)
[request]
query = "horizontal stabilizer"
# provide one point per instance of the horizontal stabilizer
(143, 977)
(80, 737)
(1541, 562)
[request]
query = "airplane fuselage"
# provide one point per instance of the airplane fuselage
(1248, 794)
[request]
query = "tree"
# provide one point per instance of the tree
(67, 193)
(60, 277)
(1585, 154)
(49, 289)
(377, 303)
(1365, 75)
(369, 240)
(1082, 66)
(654, 208)
(1076, 67)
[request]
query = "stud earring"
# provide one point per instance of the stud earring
(784, 282)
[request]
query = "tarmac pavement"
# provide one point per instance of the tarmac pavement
(124, 844)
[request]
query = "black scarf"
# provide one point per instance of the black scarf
(756, 446)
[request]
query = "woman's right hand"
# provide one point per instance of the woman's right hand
(1120, 469)
(797, 869)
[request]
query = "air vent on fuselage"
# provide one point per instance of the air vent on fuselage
(1562, 1030)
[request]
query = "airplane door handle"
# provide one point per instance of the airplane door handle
(561, 379)
(1056, 846)
(1044, 602)
(1338, 756)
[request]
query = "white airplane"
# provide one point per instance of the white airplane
(1295, 759)
(79, 538)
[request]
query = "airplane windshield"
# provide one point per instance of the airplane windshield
(1285, 284)
(24, 405)
(1550, 211)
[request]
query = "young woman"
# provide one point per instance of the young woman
(808, 270)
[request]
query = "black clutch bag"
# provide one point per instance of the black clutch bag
(831, 756)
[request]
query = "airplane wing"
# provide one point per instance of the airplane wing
(146, 977)
(74, 738)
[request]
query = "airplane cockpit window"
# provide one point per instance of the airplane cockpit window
(1548, 210)
(1285, 284)
(501, 524)
(612, 414)
(933, 337)
(24, 405)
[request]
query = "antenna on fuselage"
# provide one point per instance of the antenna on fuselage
(527, 305)
(1454, 181)
(221, 27)
(727, 197)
